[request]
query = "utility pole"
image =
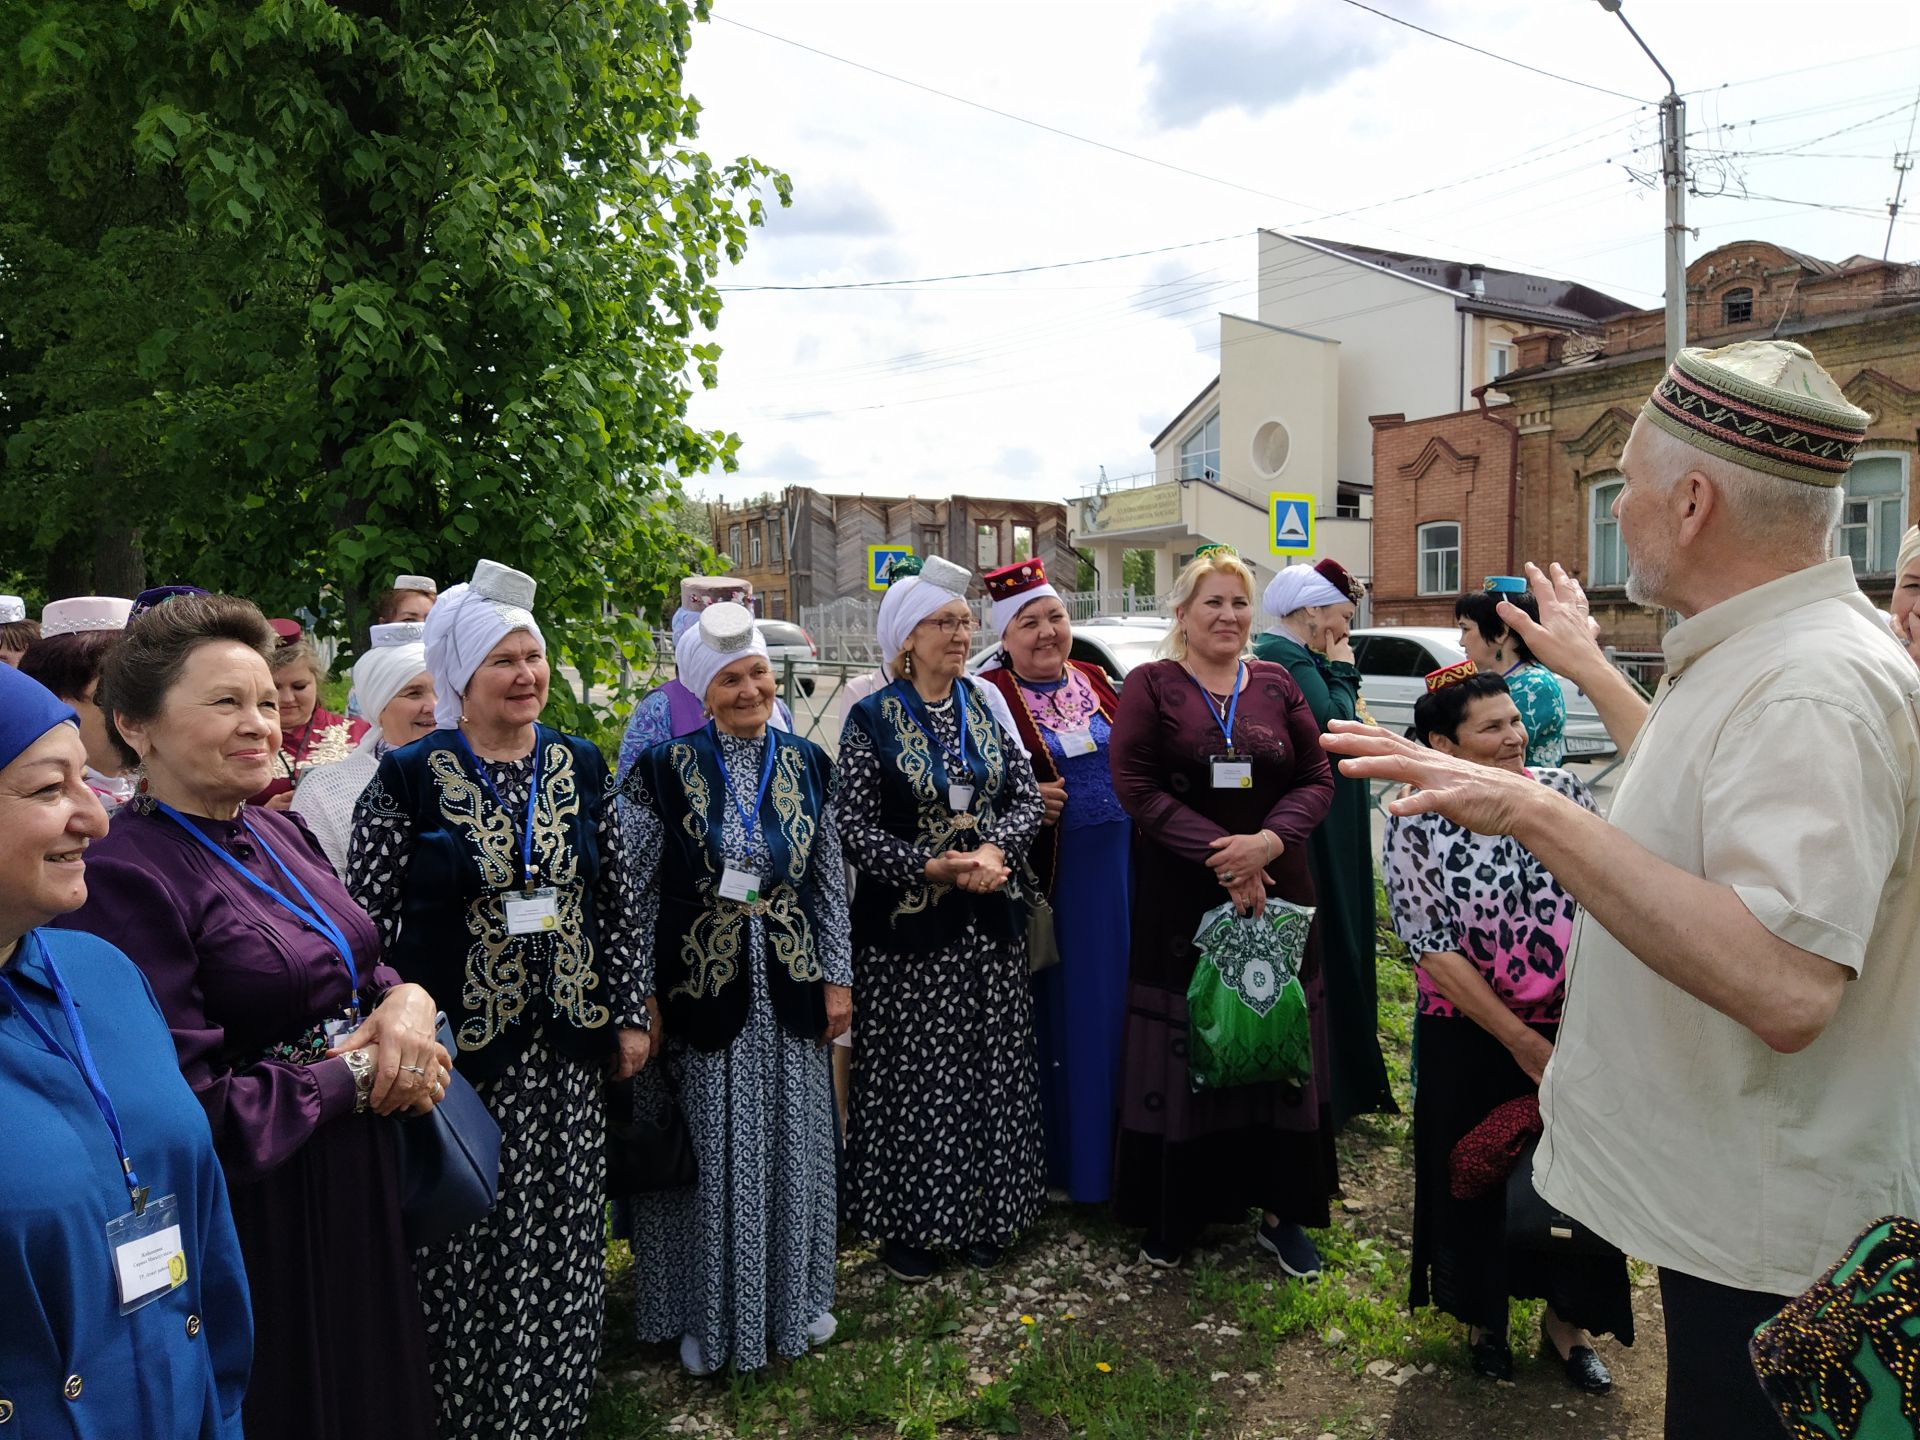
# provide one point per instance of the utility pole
(1902, 163)
(1673, 173)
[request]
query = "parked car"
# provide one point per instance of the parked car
(1116, 643)
(1393, 666)
(786, 641)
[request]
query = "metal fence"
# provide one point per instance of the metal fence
(843, 630)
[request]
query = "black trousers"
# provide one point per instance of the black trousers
(1712, 1393)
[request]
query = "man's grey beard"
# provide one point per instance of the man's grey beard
(1647, 581)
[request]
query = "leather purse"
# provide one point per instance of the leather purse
(449, 1160)
(1536, 1226)
(1043, 945)
(649, 1148)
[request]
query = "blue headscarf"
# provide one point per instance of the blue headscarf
(28, 710)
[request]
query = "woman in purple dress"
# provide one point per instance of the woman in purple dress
(260, 959)
(1218, 760)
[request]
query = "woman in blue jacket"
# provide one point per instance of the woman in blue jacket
(126, 1299)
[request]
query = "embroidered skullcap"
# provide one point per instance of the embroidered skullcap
(400, 632)
(1909, 551)
(1764, 404)
(1450, 675)
(12, 608)
(1298, 586)
(28, 710)
(386, 669)
(466, 623)
(901, 567)
(1341, 578)
(288, 631)
(909, 601)
(1217, 548)
(84, 612)
(158, 595)
(1014, 587)
(416, 582)
(725, 633)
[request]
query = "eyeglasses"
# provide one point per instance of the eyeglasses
(952, 624)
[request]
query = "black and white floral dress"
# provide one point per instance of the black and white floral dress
(944, 1142)
(514, 1306)
(740, 1266)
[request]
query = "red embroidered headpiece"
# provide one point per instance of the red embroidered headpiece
(1450, 675)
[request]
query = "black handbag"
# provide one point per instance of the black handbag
(648, 1145)
(1534, 1225)
(449, 1160)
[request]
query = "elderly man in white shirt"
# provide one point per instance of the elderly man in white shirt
(1735, 1092)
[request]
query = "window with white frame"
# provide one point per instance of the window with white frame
(1873, 513)
(753, 544)
(1499, 360)
(776, 551)
(1438, 548)
(1200, 451)
(1606, 555)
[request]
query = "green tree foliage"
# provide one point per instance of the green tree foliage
(298, 295)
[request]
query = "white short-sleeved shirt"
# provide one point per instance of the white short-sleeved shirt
(1781, 757)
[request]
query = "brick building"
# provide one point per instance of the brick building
(804, 547)
(1461, 496)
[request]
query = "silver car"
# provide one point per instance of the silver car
(1116, 643)
(785, 642)
(1393, 666)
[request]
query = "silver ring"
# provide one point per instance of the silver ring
(1227, 875)
(414, 1069)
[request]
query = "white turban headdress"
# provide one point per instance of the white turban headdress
(723, 634)
(1298, 586)
(466, 623)
(397, 656)
(913, 599)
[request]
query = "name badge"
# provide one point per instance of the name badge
(741, 885)
(1231, 773)
(1077, 742)
(148, 1257)
(959, 797)
(533, 912)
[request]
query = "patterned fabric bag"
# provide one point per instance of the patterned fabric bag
(1246, 1009)
(1842, 1360)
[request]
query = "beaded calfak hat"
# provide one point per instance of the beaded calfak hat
(503, 585)
(943, 574)
(78, 613)
(401, 632)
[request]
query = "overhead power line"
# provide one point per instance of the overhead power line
(1494, 54)
(989, 274)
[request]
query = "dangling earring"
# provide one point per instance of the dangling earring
(906, 665)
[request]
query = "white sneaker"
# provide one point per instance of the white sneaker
(692, 1360)
(822, 1330)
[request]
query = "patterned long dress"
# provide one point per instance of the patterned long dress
(742, 1263)
(514, 1305)
(944, 1139)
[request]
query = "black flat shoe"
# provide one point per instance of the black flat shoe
(984, 1257)
(1585, 1370)
(1491, 1357)
(907, 1263)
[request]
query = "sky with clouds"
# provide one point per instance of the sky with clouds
(1188, 126)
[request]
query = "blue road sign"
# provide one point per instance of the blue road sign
(1290, 527)
(880, 558)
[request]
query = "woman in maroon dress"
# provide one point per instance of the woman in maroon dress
(1190, 730)
(255, 950)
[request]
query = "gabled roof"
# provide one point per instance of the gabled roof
(1487, 289)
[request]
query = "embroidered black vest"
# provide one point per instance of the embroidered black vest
(700, 973)
(465, 862)
(913, 806)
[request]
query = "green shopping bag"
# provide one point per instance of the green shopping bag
(1245, 1006)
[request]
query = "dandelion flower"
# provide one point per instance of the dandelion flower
(1026, 1319)
(1103, 1367)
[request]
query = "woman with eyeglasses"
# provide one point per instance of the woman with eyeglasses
(937, 808)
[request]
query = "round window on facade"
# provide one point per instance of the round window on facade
(1271, 446)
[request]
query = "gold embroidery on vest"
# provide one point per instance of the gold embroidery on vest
(494, 984)
(572, 980)
(789, 810)
(686, 765)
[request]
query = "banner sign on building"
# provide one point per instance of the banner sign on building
(1121, 510)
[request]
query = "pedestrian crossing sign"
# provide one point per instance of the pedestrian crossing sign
(1290, 524)
(880, 560)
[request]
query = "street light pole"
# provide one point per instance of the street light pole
(1673, 173)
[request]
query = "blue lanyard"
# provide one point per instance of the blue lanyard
(911, 699)
(81, 1058)
(311, 912)
(1233, 706)
(533, 799)
(749, 819)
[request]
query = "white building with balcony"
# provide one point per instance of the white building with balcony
(1344, 332)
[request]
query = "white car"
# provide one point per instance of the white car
(1394, 663)
(1116, 643)
(786, 641)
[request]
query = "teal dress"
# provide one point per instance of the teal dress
(1543, 709)
(1340, 855)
